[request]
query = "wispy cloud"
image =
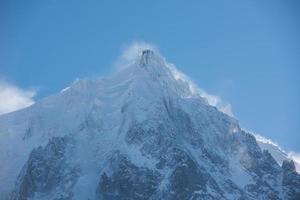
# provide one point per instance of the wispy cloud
(13, 98)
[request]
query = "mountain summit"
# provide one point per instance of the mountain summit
(142, 133)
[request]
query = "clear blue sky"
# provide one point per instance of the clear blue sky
(247, 52)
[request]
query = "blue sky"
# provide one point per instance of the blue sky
(247, 52)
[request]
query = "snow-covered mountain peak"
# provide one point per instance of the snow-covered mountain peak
(144, 132)
(153, 62)
(146, 56)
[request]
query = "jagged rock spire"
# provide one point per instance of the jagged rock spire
(146, 56)
(288, 165)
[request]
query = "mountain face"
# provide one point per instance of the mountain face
(275, 150)
(139, 134)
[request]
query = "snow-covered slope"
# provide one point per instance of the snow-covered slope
(142, 133)
(275, 150)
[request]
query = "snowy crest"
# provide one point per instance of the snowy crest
(130, 53)
(143, 53)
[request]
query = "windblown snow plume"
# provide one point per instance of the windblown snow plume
(212, 100)
(296, 157)
(130, 53)
(265, 140)
(276, 150)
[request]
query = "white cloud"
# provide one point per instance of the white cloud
(13, 98)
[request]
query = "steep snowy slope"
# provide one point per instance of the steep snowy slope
(139, 134)
(275, 150)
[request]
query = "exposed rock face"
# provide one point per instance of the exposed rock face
(127, 181)
(290, 180)
(140, 134)
(46, 173)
